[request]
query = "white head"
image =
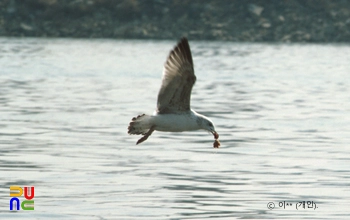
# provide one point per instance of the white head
(206, 124)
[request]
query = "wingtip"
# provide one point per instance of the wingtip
(183, 39)
(184, 46)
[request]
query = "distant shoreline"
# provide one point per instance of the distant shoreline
(241, 21)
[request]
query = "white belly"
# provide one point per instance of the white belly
(175, 122)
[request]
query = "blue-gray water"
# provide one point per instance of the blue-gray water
(282, 112)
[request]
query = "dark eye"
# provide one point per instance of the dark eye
(210, 124)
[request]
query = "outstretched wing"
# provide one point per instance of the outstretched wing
(178, 79)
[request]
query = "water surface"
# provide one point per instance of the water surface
(282, 112)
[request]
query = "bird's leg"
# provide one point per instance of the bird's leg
(149, 132)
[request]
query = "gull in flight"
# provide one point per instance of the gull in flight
(173, 111)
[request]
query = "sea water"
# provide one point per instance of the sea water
(282, 112)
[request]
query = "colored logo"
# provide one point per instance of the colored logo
(15, 192)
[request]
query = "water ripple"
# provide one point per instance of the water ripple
(281, 112)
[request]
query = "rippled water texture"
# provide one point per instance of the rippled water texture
(282, 112)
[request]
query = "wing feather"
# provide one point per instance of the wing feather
(178, 79)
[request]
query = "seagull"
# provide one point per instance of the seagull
(173, 112)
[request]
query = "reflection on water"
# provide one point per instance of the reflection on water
(281, 112)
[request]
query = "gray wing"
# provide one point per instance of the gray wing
(178, 79)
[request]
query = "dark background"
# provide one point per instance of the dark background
(231, 20)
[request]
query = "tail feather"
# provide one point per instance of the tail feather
(139, 125)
